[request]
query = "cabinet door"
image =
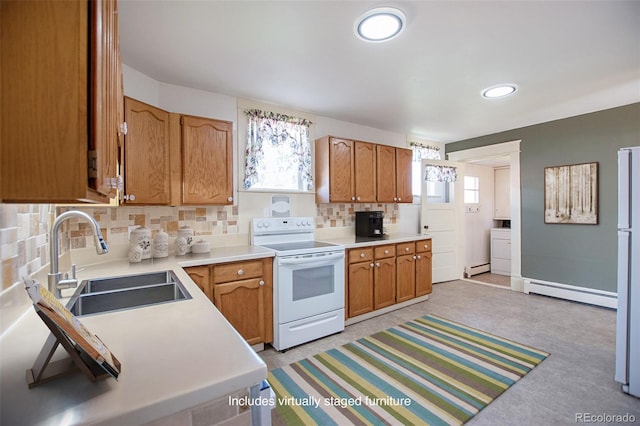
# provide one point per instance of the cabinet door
(502, 193)
(405, 278)
(365, 172)
(386, 176)
(146, 154)
(200, 275)
(404, 170)
(384, 283)
(360, 288)
(207, 161)
(423, 274)
(242, 304)
(341, 170)
(106, 96)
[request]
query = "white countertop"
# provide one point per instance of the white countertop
(174, 356)
(354, 242)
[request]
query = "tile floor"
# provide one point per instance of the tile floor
(489, 278)
(576, 378)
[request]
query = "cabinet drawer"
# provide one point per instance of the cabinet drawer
(382, 252)
(405, 248)
(360, 255)
(423, 246)
(236, 271)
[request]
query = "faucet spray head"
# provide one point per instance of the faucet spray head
(101, 244)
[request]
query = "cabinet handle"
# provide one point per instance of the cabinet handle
(230, 199)
(371, 265)
(378, 264)
(240, 272)
(361, 254)
(261, 282)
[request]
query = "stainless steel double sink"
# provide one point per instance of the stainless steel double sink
(126, 292)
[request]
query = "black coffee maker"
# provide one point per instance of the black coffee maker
(369, 224)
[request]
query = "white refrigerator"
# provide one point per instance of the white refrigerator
(628, 316)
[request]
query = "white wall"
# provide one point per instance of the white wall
(207, 104)
(478, 224)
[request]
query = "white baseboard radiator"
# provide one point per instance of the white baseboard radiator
(470, 271)
(591, 296)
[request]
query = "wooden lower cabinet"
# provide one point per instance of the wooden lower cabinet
(243, 293)
(405, 278)
(384, 283)
(360, 290)
(384, 275)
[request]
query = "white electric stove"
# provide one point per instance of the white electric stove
(308, 280)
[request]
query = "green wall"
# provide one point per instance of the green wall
(581, 255)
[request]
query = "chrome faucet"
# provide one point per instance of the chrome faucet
(56, 281)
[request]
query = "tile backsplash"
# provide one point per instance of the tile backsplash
(343, 215)
(24, 243)
(116, 222)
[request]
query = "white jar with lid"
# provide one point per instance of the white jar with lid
(181, 246)
(187, 233)
(142, 237)
(161, 244)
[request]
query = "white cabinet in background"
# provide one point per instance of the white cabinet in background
(501, 251)
(502, 194)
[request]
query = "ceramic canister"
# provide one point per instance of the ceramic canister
(161, 244)
(142, 236)
(135, 253)
(187, 233)
(181, 246)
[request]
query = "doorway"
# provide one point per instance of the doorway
(509, 152)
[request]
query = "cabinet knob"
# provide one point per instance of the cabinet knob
(378, 264)
(386, 252)
(395, 198)
(419, 257)
(230, 199)
(371, 265)
(261, 282)
(414, 257)
(129, 197)
(426, 246)
(399, 199)
(406, 249)
(353, 198)
(240, 272)
(358, 198)
(361, 254)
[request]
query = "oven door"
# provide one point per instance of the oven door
(309, 284)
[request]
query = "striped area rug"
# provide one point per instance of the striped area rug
(427, 371)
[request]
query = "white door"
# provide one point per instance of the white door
(442, 212)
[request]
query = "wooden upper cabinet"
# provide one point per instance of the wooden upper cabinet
(207, 161)
(341, 170)
(146, 154)
(365, 172)
(404, 170)
(60, 104)
(386, 178)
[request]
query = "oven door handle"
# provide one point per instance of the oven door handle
(310, 260)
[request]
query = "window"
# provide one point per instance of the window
(471, 190)
(421, 152)
(278, 152)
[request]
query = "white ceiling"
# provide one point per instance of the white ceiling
(567, 57)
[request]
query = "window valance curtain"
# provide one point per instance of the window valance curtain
(438, 173)
(424, 152)
(278, 130)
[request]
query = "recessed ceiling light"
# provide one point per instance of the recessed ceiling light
(499, 91)
(380, 24)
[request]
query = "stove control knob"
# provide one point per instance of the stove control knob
(259, 224)
(298, 222)
(267, 224)
(308, 222)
